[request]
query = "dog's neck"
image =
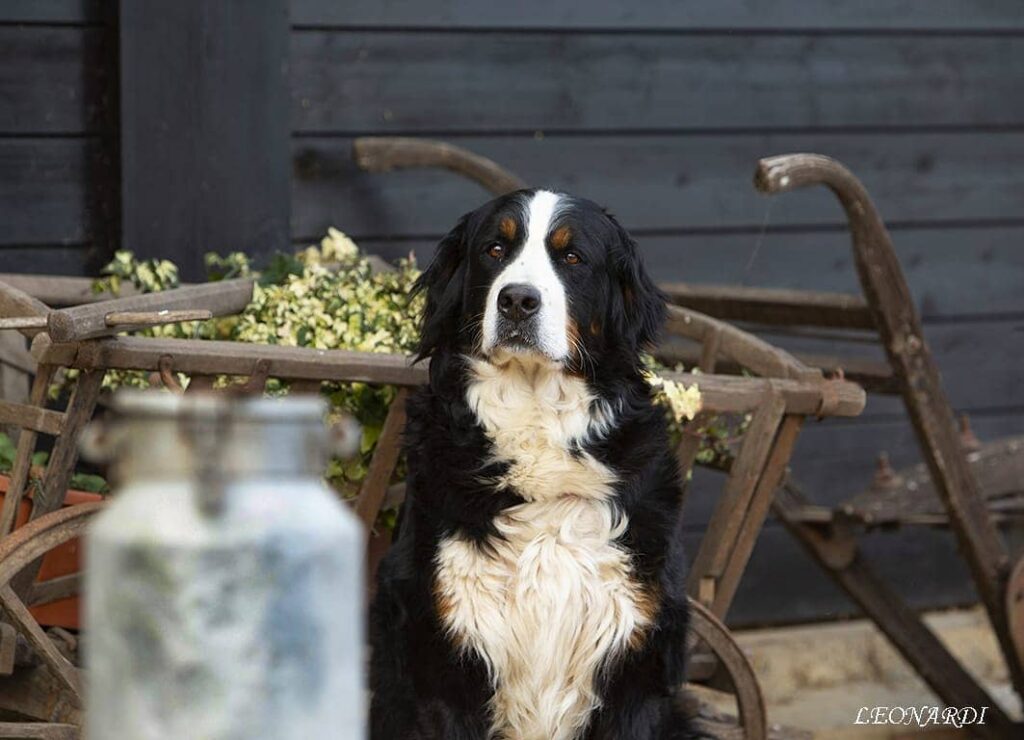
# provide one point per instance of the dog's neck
(541, 420)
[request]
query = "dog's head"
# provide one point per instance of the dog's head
(541, 274)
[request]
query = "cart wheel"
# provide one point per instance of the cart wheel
(706, 627)
(1015, 608)
(50, 693)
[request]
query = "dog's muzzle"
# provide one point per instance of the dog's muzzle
(518, 307)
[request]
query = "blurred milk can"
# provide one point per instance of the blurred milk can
(224, 583)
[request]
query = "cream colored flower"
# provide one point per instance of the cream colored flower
(685, 403)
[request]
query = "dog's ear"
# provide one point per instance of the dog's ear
(642, 311)
(442, 282)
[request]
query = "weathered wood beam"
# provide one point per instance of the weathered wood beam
(721, 393)
(773, 305)
(89, 321)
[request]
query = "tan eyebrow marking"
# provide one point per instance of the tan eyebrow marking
(560, 237)
(507, 227)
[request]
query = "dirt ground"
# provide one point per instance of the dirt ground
(818, 677)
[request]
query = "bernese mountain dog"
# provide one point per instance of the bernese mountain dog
(535, 589)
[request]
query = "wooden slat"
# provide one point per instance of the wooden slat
(22, 323)
(39, 731)
(8, 648)
(730, 343)
(978, 360)
(836, 461)
(875, 376)
(16, 368)
(133, 320)
(725, 526)
(52, 79)
(61, 465)
(34, 692)
(675, 184)
(760, 504)
(55, 589)
(382, 465)
(67, 674)
(417, 81)
(23, 453)
(15, 303)
(666, 15)
(58, 291)
(31, 417)
(232, 358)
(88, 321)
(773, 305)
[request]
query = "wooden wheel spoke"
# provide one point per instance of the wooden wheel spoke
(17, 552)
(66, 673)
(24, 730)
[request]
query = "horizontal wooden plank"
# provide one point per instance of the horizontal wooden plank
(31, 417)
(953, 272)
(52, 11)
(773, 305)
(883, 15)
(44, 190)
(835, 460)
(224, 298)
(979, 362)
(672, 183)
(56, 80)
(371, 81)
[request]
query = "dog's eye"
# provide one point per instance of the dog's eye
(496, 251)
(571, 258)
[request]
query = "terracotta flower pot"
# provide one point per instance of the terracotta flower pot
(61, 561)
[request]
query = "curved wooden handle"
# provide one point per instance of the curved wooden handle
(385, 153)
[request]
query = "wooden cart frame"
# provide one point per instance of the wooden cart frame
(47, 688)
(949, 474)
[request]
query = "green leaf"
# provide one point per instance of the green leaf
(40, 458)
(280, 267)
(7, 452)
(369, 439)
(88, 482)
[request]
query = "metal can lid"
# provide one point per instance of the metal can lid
(132, 403)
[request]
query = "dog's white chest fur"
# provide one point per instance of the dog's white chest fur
(552, 600)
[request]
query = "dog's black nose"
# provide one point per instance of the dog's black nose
(518, 301)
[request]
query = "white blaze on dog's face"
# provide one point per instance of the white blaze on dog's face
(526, 306)
(540, 276)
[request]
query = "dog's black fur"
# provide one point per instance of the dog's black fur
(424, 685)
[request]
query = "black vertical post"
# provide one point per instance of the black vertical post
(204, 128)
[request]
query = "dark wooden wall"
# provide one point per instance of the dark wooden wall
(59, 194)
(657, 109)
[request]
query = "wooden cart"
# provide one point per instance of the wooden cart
(968, 487)
(40, 683)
